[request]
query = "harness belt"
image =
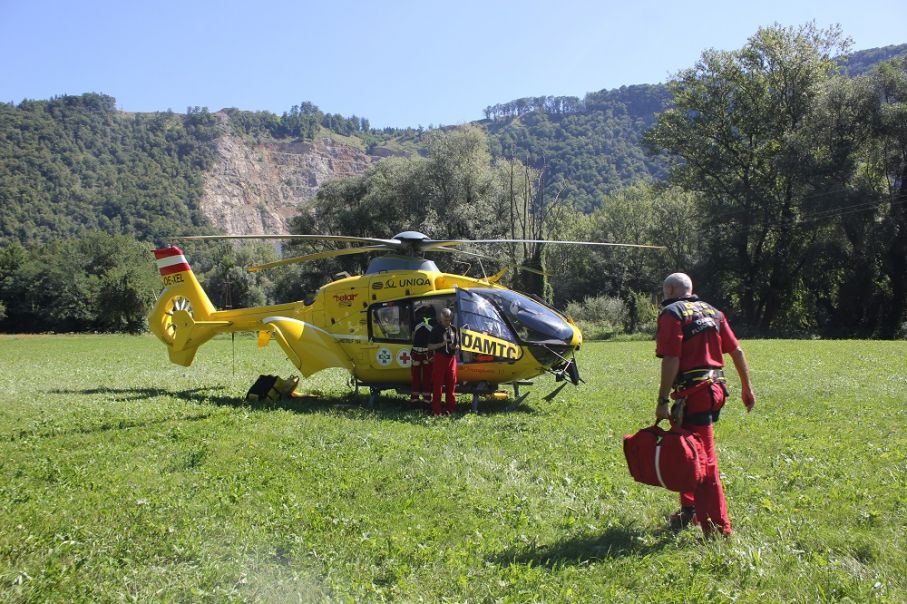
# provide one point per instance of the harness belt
(688, 383)
(421, 356)
(695, 378)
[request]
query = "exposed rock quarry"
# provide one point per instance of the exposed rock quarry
(254, 189)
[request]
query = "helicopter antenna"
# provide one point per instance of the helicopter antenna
(228, 304)
(466, 264)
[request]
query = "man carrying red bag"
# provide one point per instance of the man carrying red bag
(691, 340)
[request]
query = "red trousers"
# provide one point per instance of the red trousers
(711, 507)
(444, 375)
(420, 371)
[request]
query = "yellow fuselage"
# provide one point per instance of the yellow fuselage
(340, 326)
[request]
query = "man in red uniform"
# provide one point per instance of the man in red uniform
(691, 340)
(445, 342)
(422, 358)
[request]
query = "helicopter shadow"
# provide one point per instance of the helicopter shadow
(207, 395)
(385, 407)
(389, 408)
(109, 424)
(584, 549)
(195, 395)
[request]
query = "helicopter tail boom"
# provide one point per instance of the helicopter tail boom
(180, 317)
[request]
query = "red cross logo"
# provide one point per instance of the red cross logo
(404, 357)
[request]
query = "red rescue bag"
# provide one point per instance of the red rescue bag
(673, 459)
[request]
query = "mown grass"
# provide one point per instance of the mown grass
(125, 478)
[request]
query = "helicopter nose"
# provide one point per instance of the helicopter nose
(576, 340)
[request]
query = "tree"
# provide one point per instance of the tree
(92, 282)
(640, 214)
(886, 163)
(127, 285)
(842, 293)
(740, 126)
(12, 259)
(230, 285)
(459, 185)
(532, 216)
(450, 193)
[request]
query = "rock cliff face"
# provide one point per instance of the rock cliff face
(256, 189)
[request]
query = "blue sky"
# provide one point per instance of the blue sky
(395, 62)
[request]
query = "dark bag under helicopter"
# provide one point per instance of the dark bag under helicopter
(272, 387)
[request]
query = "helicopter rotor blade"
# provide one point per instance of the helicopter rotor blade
(316, 256)
(415, 242)
(432, 243)
(447, 249)
(497, 277)
(391, 243)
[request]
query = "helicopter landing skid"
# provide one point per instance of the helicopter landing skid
(478, 391)
(516, 389)
(501, 395)
(517, 397)
(374, 391)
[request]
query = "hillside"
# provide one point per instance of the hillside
(76, 163)
(256, 188)
(591, 147)
(861, 62)
(587, 148)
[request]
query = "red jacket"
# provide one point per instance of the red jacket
(694, 331)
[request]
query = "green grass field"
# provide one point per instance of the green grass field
(125, 478)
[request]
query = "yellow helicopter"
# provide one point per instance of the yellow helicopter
(364, 323)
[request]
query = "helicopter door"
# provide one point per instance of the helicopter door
(484, 335)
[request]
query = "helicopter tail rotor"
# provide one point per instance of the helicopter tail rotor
(179, 318)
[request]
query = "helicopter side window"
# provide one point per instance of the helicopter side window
(390, 321)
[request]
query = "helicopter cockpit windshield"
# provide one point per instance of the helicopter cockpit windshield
(478, 314)
(534, 323)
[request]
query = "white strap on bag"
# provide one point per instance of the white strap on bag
(658, 465)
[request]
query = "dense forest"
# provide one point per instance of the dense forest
(775, 174)
(75, 163)
(585, 149)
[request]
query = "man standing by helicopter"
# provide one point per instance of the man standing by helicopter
(445, 342)
(691, 340)
(422, 365)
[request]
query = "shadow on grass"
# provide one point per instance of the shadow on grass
(392, 408)
(580, 550)
(385, 407)
(137, 394)
(104, 426)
